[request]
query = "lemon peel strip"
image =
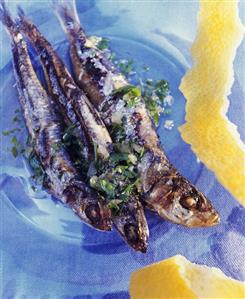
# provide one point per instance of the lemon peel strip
(178, 278)
(206, 86)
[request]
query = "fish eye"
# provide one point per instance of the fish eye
(188, 202)
(93, 213)
(131, 233)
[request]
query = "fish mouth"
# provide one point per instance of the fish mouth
(214, 219)
(205, 219)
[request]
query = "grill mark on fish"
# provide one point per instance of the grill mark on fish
(160, 195)
(38, 111)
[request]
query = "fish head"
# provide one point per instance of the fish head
(132, 225)
(181, 203)
(88, 205)
(198, 209)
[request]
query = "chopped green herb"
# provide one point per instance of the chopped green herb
(103, 44)
(132, 101)
(127, 192)
(108, 188)
(118, 157)
(121, 169)
(9, 132)
(15, 142)
(137, 184)
(142, 152)
(16, 119)
(131, 94)
(132, 159)
(162, 88)
(115, 206)
(103, 185)
(56, 147)
(117, 132)
(126, 89)
(124, 170)
(126, 66)
(38, 172)
(14, 151)
(154, 108)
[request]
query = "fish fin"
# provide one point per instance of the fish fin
(21, 12)
(9, 24)
(5, 15)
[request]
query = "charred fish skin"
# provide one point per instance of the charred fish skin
(45, 130)
(99, 78)
(60, 78)
(132, 213)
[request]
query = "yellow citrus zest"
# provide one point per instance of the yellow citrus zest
(178, 278)
(213, 138)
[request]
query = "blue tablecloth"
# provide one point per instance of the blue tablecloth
(46, 252)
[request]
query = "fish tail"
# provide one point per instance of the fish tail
(25, 25)
(66, 12)
(6, 18)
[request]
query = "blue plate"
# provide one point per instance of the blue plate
(46, 251)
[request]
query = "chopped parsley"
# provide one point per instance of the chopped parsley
(131, 94)
(38, 172)
(56, 147)
(14, 151)
(115, 206)
(118, 178)
(154, 93)
(162, 89)
(10, 132)
(117, 132)
(126, 66)
(103, 44)
(16, 119)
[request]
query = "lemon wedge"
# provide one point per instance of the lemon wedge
(178, 278)
(213, 138)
